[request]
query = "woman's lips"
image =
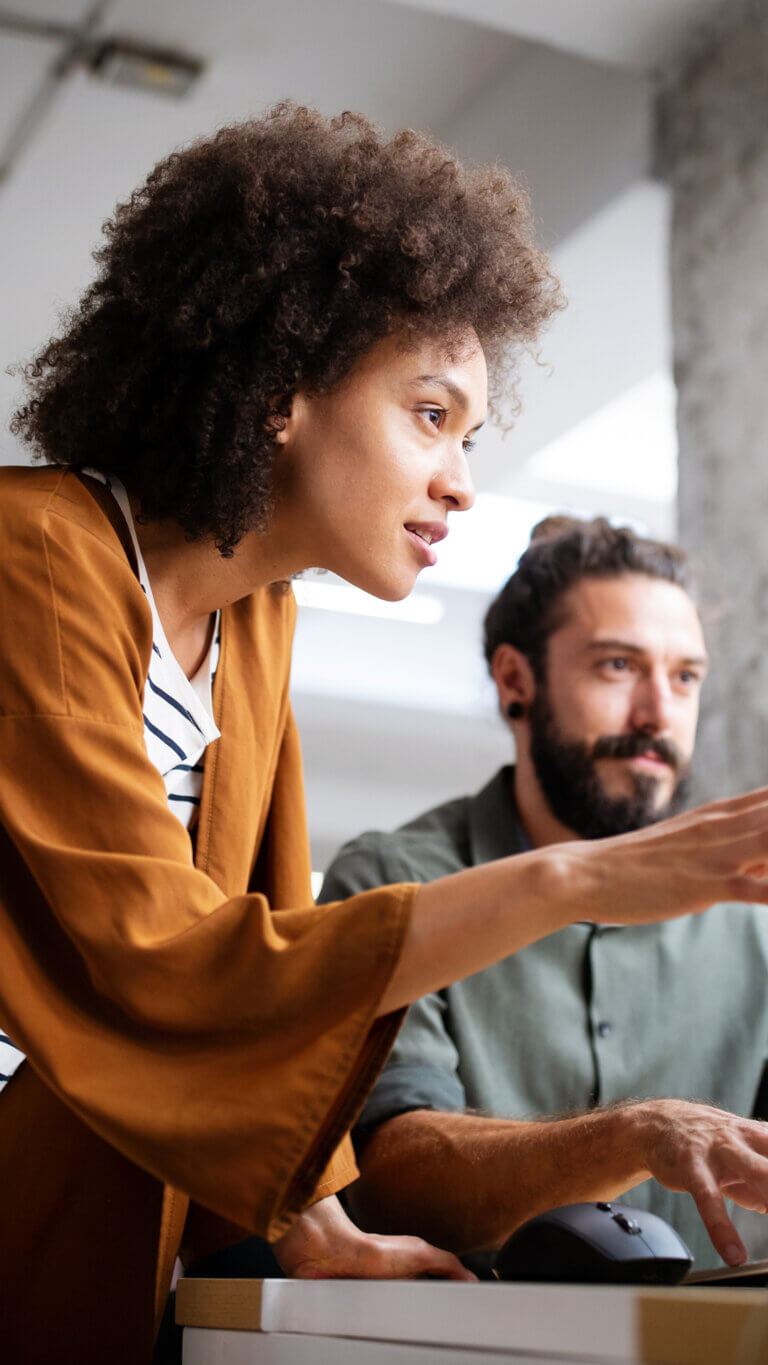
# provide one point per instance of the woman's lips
(423, 536)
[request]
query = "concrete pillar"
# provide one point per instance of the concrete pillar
(713, 150)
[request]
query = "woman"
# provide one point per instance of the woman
(280, 365)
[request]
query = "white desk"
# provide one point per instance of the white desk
(374, 1322)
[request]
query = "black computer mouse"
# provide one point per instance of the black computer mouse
(595, 1244)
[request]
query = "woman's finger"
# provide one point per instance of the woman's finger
(750, 890)
(410, 1257)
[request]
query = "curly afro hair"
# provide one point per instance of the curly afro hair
(262, 261)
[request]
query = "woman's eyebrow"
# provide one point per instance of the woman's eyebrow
(456, 392)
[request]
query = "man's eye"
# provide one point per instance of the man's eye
(618, 664)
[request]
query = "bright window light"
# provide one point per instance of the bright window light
(629, 446)
(484, 545)
(421, 609)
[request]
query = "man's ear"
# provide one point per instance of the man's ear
(514, 680)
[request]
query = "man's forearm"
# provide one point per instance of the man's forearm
(465, 1181)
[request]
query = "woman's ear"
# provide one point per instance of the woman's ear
(515, 684)
(285, 418)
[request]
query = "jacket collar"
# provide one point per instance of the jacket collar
(250, 700)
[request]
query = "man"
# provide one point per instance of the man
(598, 656)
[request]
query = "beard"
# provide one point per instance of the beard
(568, 777)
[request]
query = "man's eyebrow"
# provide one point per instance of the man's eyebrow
(457, 393)
(628, 648)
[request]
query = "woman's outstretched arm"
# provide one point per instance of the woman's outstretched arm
(462, 923)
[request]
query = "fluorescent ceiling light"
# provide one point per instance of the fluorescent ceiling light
(420, 609)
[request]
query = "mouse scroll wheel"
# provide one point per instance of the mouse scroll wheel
(628, 1224)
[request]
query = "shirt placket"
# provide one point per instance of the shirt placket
(599, 1026)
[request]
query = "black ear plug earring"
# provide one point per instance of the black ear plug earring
(515, 710)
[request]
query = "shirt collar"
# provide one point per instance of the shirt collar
(495, 828)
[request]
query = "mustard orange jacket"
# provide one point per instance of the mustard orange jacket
(196, 1013)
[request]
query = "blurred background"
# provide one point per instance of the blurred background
(623, 119)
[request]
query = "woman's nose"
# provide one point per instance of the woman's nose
(453, 485)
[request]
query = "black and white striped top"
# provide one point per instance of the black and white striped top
(178, 712)
(178, 721)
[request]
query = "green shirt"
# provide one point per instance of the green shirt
(589, 1015)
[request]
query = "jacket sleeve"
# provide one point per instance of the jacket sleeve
(223, 1044)
(422, 1070)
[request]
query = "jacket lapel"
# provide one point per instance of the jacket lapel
(250, 701)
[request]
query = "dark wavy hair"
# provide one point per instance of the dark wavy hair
(562, 551)
(267, 259)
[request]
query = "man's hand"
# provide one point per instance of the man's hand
(467, 1181)
(324, 1244)
(709, 1153)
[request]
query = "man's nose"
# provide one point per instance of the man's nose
(651, 709)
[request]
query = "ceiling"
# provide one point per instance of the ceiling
(642, 34)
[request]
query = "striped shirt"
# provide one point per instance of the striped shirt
(178, 720)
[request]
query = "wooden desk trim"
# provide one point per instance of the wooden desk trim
(234, 1304)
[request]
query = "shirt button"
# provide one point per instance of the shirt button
(604, 1028)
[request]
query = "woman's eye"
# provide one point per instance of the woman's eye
(435, 416)
(468, 444)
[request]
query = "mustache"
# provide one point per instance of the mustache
(636, 746)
